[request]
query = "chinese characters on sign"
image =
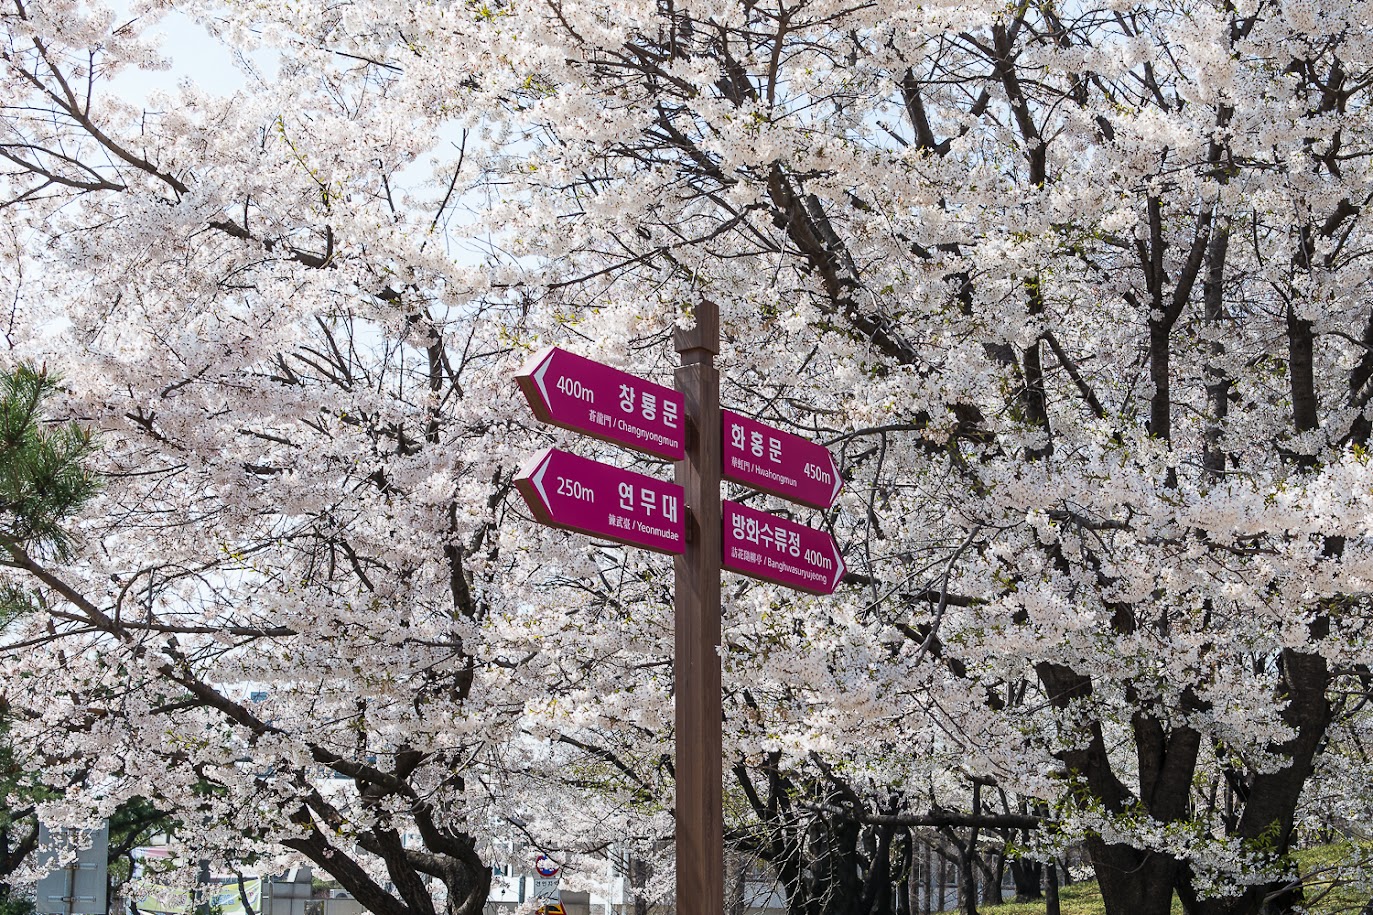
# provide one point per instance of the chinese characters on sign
(786, 465)
(579, 494)
(774, 549)
(576, 393)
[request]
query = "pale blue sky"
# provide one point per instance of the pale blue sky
(193, 53)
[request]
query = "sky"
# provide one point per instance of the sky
(194, 54)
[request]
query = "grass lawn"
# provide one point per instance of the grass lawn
(1328, 868)
(1078, 899)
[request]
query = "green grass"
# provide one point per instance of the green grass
(1327, 869)
(1078, 899)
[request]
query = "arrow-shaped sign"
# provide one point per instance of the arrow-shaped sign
(577, 393)
(786, 465)
(774, 549)
(579, 494)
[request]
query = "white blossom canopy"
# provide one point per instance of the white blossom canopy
(1077, 293)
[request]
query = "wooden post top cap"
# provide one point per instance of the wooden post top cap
(703, 335)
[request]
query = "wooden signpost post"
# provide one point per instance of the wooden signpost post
(698, 707)
(688, 520)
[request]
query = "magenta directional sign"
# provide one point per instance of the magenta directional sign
(778, 462)
(579, 494)
(585, 396)
(774, 549)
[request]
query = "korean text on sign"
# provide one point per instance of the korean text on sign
(579, 494)
(585, 396)
(775, 461)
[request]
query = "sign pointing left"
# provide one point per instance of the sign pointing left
(585, 396)
(579, 494)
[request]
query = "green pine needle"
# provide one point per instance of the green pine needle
(44, 480)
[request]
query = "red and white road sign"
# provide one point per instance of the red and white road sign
(583, 395)
(546, 885)
(579, 494)
(786, 465)
(774, 549)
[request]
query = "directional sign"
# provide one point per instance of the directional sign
(579, 494)
(778, 462)
(774, 549)
(585, 396)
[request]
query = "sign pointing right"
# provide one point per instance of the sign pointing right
(774, 549)
(763, 457)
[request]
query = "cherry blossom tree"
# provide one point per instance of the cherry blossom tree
(352, 658)
(1076, 293)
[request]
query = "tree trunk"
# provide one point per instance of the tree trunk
(926, 879)
(996, 875)
(943, 882)
(1133, 881)
(1027, 875)
(967, 881)
(907, 872)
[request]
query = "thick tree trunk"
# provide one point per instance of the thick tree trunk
(996, 875)
(876, 896)
(967, 882)
(1133, 882)
(1027, 875)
